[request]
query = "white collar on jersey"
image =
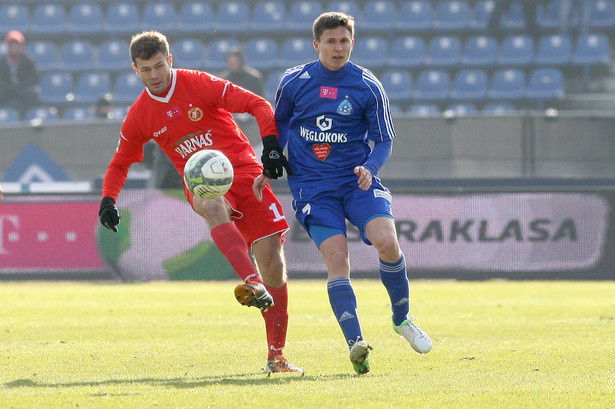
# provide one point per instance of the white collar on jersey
(170, 93)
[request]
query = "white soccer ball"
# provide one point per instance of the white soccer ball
(208, 174)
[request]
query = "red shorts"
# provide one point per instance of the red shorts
(254, 220)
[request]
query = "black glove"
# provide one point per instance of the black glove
(274, 161)
(108, 214)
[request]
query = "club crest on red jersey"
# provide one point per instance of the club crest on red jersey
(195, 114)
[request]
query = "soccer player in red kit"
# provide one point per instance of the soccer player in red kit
(185, 111)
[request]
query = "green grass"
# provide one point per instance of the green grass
(497, 344)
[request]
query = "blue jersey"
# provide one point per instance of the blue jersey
(327, 118)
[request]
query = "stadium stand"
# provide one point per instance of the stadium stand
(443, 39)
(57, 89)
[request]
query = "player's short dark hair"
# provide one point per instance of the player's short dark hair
(147, 44)
(330, 20)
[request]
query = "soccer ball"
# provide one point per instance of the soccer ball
(208, 174)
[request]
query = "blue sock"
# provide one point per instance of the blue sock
(395, 280)
(344, 304)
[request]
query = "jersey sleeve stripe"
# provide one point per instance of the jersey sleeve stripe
(381, 96)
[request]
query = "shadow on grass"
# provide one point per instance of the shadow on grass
(248, 379)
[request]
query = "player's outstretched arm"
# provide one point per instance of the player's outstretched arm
(260, 182)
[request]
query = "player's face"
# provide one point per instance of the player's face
(334, 47)
(155, 73)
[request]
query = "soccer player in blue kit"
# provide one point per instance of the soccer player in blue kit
(328, 111)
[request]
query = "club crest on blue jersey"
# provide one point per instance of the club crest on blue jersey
(344, 108)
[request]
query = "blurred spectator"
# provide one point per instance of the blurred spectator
(569, 8)
(104, 108)
(19, 76)
(245, 76)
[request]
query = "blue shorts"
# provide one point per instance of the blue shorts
(330, 204)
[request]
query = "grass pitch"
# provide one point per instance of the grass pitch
(497, 344)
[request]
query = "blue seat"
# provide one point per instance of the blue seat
(188, 53)
(41, 114)
(77, 114)
(545, 84)
(517, 50)
(416, 15)
(48, 18)
(432, 85)
(271, 85)
(507, 84)
(261, 53)
(45, 54)
(592, 49)
(351, 8)
(469, 85)
(76, 56)
(85, 18)
(302, 14)
(8, 115)
(554, 49)
(499, 108)
(452, 15)
(371, 52)
(195, 17)
(460, 109)
(295, 51)
(122, 18)
(398, 85)
(378, 15)
(548, 16)
(113, 56)
(158, 16)
(216, 53)
(481, 14)
(603, 15)
(268, 16)
(423, 110)
(90, 86)
(514, 17)
(480, 51)
(408, 51)
(232, 17)
(443, 51)
(15, 17)
(126, 88)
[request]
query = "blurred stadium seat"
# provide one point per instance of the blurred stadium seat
(469, 85)
(232, 17)
(517, 50)
(41, 114)
(48, 19)
(76, 56)
(452, 15)
(216, 53)
(126, 88)
(499, 108)
(407, 51)
(349, 7)
(44, 53)
(432, 85)
(195, 17)
(14, 17)
(302, 14)
(85, 18)
(271, 85)
(461, 109)
(443, 51)
(415, 15)
(122, 18)
(371, 52)
(77, 114)
(188, 53)
(268, 16)
(398, 85)
(261, 53)
(592, 49)
(480, 51)
(91, 85)
(8, 115)
(295, 51)
(545, 84)
(158, 16)
(481, 14)
(514, 17)
(603, 15)
(554, 49)
(422, 110)
(378, 15)
(113, 56)
(508, 84)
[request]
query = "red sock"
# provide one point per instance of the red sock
(233, 246)
(276, 320)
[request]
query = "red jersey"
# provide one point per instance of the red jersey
(194, 114)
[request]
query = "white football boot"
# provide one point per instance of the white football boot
(418, 339)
